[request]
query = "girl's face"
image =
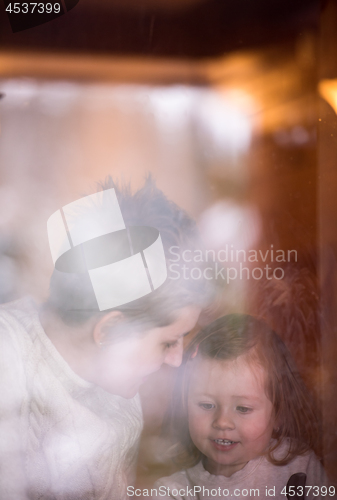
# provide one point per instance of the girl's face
(229, 415)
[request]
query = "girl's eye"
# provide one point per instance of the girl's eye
(243, 409)
(206, 406)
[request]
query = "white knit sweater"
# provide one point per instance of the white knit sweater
(61, 438)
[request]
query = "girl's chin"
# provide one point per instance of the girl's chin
(222, 465)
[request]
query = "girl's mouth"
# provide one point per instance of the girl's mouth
(224, 444)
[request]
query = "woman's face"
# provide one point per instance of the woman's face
(124, 365)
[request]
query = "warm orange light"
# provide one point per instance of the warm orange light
(328, 90)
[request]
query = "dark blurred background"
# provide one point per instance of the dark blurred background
(191, 29)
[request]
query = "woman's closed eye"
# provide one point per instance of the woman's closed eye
(168, 345)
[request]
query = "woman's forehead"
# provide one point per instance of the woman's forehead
(185, 320)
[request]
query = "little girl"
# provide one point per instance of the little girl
(242, 419)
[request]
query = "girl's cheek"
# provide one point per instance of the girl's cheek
(192, 420)
(198, 420)
(257, 430)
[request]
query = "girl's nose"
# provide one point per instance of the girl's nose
(223, 420)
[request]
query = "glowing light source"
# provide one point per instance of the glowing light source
(328, 90)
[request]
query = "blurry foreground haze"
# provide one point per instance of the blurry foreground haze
(220, 102)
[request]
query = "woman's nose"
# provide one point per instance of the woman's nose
(174, 354)
(223, 420)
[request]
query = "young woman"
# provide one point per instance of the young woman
(70, 416)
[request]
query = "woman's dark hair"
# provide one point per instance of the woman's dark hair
(71, 295)
(227, 338)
